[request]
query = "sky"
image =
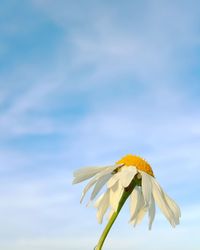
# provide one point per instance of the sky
(83, 83)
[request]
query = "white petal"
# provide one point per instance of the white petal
(87, 187)
(95, 179)
(98, 201)
(126, 175)
(152, 211)
(146, 187)
(116, 192)
(140, 208)
(135, 202)
(159, 197)
(102, 205)
(99, 184)
(113, 180)
(86, 173)
(140, 215)
(174, 207)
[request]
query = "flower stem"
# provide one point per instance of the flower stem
(125, 195)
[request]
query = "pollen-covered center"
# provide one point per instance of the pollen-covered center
(138, 162)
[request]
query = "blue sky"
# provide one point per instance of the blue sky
(84, 83)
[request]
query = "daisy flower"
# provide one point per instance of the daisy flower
(133, 177)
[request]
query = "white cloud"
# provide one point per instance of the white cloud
(147, 48)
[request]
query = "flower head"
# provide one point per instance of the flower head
(118, 179)
(136, 161)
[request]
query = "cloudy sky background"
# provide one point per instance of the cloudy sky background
(84, 83)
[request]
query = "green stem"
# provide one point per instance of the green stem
(124, 197)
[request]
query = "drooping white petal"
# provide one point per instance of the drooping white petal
(102, 205)
(159, 197)
(140, 215)
(174, 207)
(87, 187)
(146, 187)
(99, 184)
(94, 180)
(126, 175)
(139, 209)
(116, 192)
(97, 202)
(113, 180)
(135, 201)
(152, 211)
(86, 173)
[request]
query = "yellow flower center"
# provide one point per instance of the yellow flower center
(136, 161)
